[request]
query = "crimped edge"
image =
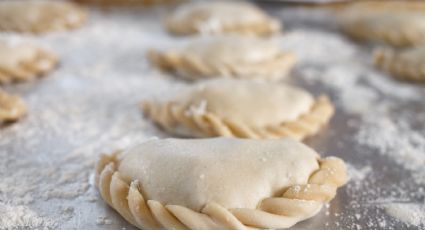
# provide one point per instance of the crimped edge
(297, 202)
(193, 68)
(170, 116)
(44, 62)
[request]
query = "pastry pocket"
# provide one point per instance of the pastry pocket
(23, 62)
(226, 56)
(241, 108)
(40, 16)
(220, 17)
(218, 183)
(394, 23)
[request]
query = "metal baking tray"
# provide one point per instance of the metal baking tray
(89, 105)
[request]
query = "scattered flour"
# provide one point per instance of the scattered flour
(101, 220)
(20, 217)
(411, 214)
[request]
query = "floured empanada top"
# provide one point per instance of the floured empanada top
(23, 61)
(255, 103)
(393, 23)
(218, 183)
(242, 108)
(11, 107)
(233, 173)
(39, 16)
(226, 56)
(406, 63)
(233, 49)
(221, 17)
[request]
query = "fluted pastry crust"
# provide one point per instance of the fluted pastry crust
(23, 62)
(221, 17)
(395, 23)
(226, 56)
(11, 107)
(407, 64)
(292, 204)
(40, 16)
(185, 117)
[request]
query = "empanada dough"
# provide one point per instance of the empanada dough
(395, 23)
(39, 16)
(241, 108)
(217, 17)
(218, 183)
(126, 3)
(22, 62)
(11, 107)
(406, 63)
(226, 56)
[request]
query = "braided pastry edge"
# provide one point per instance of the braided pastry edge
(181, 121)
(43, 62)
(193, 68)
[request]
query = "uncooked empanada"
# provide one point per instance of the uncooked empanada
(40, 16)
(127, 3)
(406, 64)
(11, 107)
(395, 23)
(241, 108)
(216, 17)
(226, 56)
(22, 62)
(218, 183)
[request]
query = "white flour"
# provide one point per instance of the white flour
(412, 214)
(20, 217)
(89, 105)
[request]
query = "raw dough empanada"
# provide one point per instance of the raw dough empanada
(406, 64)
(216, 17)
(218, 183)
(11, 107)
(226, 56)
(39, 16)
(22, 62)
(241, 108)
(395, 23)
(127, 3)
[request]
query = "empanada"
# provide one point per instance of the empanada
(11, 107)
(218, 183)
(127, 3)
(241, 108)
(226, 56)
(40, 16)
(217, 17)
(406, 64)
(395, 23)
(22, 62)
